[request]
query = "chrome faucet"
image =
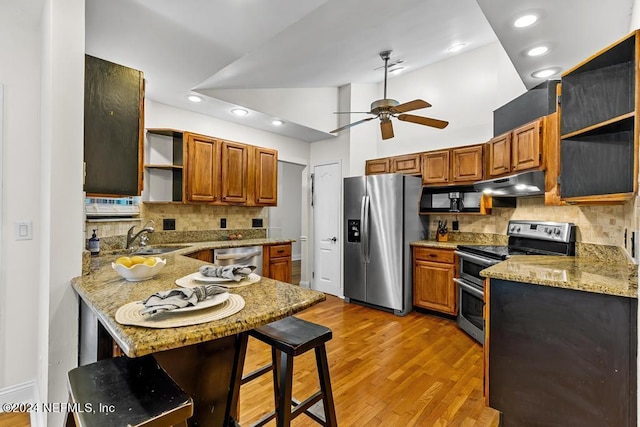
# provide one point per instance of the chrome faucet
(131, 237)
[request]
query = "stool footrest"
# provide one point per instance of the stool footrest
(305, 406)
(257, 373)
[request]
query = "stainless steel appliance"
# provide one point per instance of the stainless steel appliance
(449, 199)
(380, 220)
(525, 238)
(246, 255)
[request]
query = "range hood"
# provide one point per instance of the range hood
(524, 184)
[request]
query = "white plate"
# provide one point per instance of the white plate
(209, 302)
(199, 277)
(188, 281)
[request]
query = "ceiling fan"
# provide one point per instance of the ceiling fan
(386, 108)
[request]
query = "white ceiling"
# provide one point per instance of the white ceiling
(203, 46)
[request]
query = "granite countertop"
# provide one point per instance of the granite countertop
(104, 291)
(578, 273)
(596, 268)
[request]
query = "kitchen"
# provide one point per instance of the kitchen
(62, 264)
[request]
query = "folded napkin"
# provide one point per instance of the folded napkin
(235, 272)
(179, 298)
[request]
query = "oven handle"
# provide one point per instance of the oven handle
(471, 289)
(478, 259)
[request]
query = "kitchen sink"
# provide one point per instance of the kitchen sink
(156, 250)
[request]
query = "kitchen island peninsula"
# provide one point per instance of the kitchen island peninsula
(206, 359)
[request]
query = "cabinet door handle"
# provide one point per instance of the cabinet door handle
(280, 251)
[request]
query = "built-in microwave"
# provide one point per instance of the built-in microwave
(449, 199)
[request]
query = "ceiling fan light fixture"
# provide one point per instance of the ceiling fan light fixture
(277, 122)
(195, 98)
(525, 20)
(241, 112)
(538, 50)
(456, 47)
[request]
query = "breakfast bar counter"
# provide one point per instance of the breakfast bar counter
(204, 359)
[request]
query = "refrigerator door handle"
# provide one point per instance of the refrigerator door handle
(364, 220)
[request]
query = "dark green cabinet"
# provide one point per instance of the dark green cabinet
(113, 128)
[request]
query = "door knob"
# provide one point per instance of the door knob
(334, 239)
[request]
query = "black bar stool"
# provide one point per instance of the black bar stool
(289, 338)
(126, 392)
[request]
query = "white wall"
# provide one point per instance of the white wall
(20, 75)
(285, 220)
(61, 210)
(159, 115)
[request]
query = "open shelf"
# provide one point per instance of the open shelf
(164, 170)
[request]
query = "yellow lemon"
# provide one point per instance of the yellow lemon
(151, 261)
(137, 259)
(124, 260)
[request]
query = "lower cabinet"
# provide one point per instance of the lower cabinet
(560, 357)
(205, 255)
(276, 262)
(433, 285)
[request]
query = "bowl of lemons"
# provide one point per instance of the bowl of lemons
(138, 268)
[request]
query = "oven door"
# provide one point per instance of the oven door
(470, 266)
(471, 309)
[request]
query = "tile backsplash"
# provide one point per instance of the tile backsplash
(602, 225)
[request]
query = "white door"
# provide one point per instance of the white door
(327, 238)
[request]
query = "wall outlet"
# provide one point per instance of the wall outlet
(455, 226)
(169, 224)
(223, 222)
(256, 222)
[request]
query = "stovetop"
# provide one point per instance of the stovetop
(530, 238)
(502, 252)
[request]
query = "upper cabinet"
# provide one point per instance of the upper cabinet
(460, 165)
(408, 164)
(264, 168)
(517, 150)
(377, 166)
(598, 135)
(215, 171)
(113, 128)
(203, 170)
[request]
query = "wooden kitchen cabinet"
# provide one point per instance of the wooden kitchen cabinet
(459, 165)
(203, 178)
(408, 164)
(205, 255)
(515, 151)
(433, 285)
(276, 262)
(186, 167)
(263, 177)
(377, 166)
(598, 119)
(234, 159)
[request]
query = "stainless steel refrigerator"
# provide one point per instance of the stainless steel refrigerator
(380, 221)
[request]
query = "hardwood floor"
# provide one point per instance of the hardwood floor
(417, 370)
(16, 419)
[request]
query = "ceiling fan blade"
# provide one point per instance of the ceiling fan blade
(416, 104)
(352, 112)
(440, 124)
(387, 129)
(352, 124)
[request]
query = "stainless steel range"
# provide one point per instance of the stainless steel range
(525, 238)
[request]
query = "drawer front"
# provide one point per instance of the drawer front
(435, 255)
(276, 251)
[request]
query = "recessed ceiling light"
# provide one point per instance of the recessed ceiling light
(277, 122)
(547, 72)
(456, 47)
(525, 21)
(240, 112)
(195, 98)
(538, 50)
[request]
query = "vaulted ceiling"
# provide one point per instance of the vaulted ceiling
(225, 49)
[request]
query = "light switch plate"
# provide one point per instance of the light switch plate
(24, 230)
